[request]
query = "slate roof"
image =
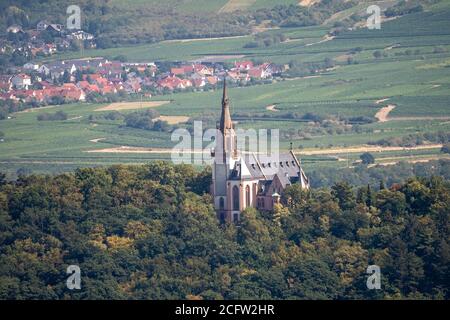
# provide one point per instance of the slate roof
(265, 167)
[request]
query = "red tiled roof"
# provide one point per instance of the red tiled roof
(70, 86)
(170, 82)
(212, 80)
(108, 89)
(72, 94)
(188, 68)
(255, 72)
(177, 71)
(243, 64)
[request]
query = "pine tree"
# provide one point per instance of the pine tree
(369, 196)
(361, 196)
(66, 77)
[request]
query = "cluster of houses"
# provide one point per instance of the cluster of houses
(74, 80)
(35, 45)
(70, 80)
(201, 75)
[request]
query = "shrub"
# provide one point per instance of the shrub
(367, 158)
(445, 148)
(58, 116)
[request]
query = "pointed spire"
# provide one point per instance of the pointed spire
(225, 119)
(225, 93)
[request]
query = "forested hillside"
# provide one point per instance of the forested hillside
(149, 232)
(130, 22)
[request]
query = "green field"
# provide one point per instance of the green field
(417, 82)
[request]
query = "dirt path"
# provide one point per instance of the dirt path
(383, 114)
(125, 149)
(325, 39)
(173, 119)
(272, 108)
(233, 5)
(366, 148)
(132, 105)
(307, 3)
(381, 100)
(334, 151)
(391, 47)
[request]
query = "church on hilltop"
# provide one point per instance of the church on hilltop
(241, 180)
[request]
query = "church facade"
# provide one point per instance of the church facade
(241, 180)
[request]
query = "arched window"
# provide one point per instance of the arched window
(247, 196)
(221, 203)
(235, 198)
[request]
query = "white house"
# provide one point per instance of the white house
(80, 35)
(14, 29)
(21, 81)
(31, 66)
(44, 69)
(41, 25)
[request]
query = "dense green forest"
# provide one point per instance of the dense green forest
(150, 232)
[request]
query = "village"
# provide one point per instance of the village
(88, 79)
(37, 83)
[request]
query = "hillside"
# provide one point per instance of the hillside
(131, 22)
(149, 232)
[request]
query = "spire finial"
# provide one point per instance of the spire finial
(225, 93)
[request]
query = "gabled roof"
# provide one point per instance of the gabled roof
(177, 71)
(22, 76)
(266, 167)
(241, 171)
(243, 64)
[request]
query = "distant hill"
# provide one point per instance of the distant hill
(119, 22)
(143, 21)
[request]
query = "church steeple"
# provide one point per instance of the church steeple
(227, 142)
(225, 119)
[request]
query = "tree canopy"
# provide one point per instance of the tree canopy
(150, 232)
